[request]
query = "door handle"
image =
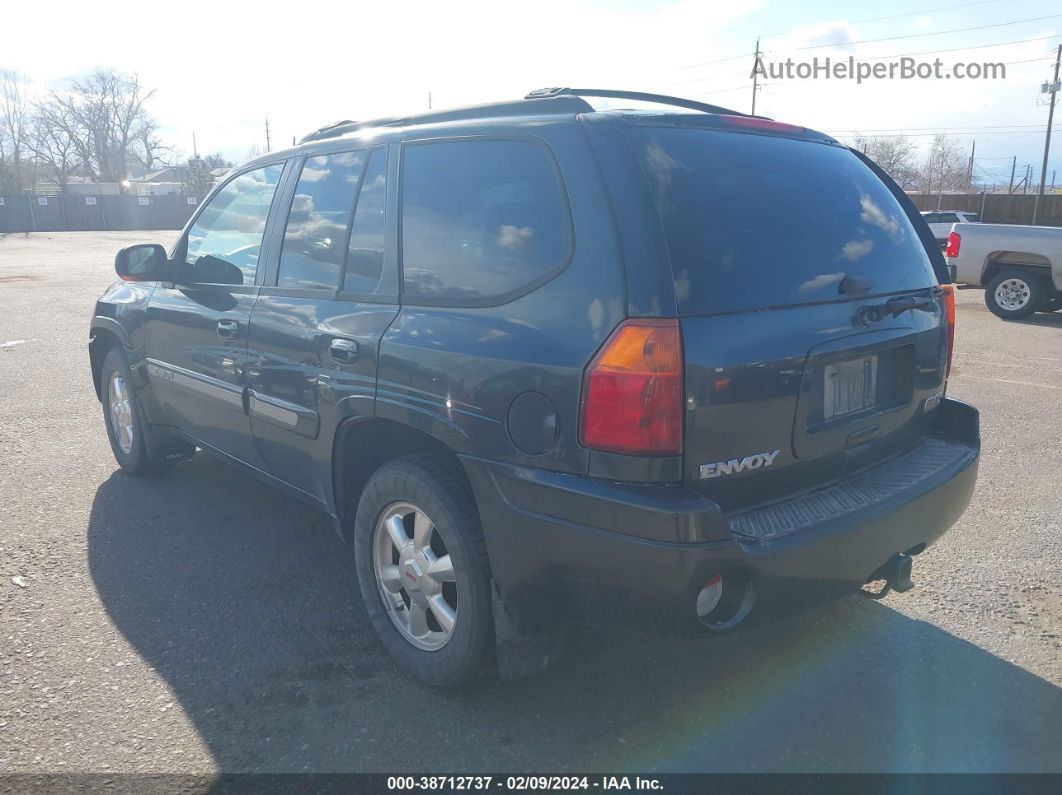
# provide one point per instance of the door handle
(228, 329)
(343, 351)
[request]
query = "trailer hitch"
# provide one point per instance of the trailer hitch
(897, 576)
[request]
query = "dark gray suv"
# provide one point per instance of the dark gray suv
(678, 368)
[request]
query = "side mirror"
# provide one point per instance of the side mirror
(145, 262)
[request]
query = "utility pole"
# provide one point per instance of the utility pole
(269, 147)
(755, 75)
(1053, 91)
(969, 166)
(1028, 178)
(429, 100)
(195, 149)
(1013, 165)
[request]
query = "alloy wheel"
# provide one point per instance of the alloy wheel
(416, 576)
(119, 400)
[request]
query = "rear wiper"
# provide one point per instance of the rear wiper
(892, 308)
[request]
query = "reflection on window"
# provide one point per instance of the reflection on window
(755, 220)
(226, 238)
(365, 259)
(479, 218)
(315, 240)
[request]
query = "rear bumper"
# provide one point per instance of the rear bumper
(577, 549)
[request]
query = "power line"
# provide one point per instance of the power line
(920, 13)
(920, 35)
(973, 127)
(958, 49)
(986, 136)
(890, 56)
(719, 60)
(852, 22)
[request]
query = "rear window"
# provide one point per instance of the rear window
(754, 221)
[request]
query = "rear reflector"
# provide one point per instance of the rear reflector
(949, 316)
(952, 249)
(632, 393)
(761, 124)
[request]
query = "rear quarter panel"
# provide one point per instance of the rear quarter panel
(454, 372)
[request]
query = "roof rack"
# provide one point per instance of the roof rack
(538, 102)
(640, 96)
(521, 107)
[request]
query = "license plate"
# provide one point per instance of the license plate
(849, 387)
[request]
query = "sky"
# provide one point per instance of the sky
(219, 69)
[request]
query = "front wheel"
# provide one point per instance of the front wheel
(126, 429)
(1014, 294)
(423, 570)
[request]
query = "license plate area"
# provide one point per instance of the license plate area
(847, 389)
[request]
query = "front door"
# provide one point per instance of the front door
(316, 326)
(196, 328)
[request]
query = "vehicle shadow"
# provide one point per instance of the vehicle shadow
(246, 602)
(1042, 319)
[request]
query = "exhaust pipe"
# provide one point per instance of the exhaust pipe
(897, 576)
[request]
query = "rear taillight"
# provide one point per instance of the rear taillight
(952, 249)
(632, 393)
(949, 316)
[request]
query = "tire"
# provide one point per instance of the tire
(398, 586)
(129, 447)
(1014, 294)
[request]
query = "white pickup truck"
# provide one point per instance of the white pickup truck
(1020, 267)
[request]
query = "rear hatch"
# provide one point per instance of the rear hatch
(813, 325)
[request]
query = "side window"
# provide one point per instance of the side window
(932, 218)
(948, 218)
(365, 257)
(226, 238)
(479, 218)
(315, 240)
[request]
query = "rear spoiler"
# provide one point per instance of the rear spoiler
(929, 242)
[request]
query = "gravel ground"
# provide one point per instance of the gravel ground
(203, 622)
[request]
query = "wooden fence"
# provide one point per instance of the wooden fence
(996, 208)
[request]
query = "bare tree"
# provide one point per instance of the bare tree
(895, 154)
(14, 122)
(197, 179)
(103, 114)
(217, 160)
(148, 148)
(943, 167)
(53, 148)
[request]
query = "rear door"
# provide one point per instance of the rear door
(316, 327)
(812, 321)
(196, 329)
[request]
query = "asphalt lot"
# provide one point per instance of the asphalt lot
(203, 622)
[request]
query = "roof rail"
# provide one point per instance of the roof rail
(662, 99)
(521, 107)
(539, 101)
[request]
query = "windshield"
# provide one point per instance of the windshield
(754, 221)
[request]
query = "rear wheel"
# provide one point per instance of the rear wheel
(423, 570)
(126, 430)
(1014, 294)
